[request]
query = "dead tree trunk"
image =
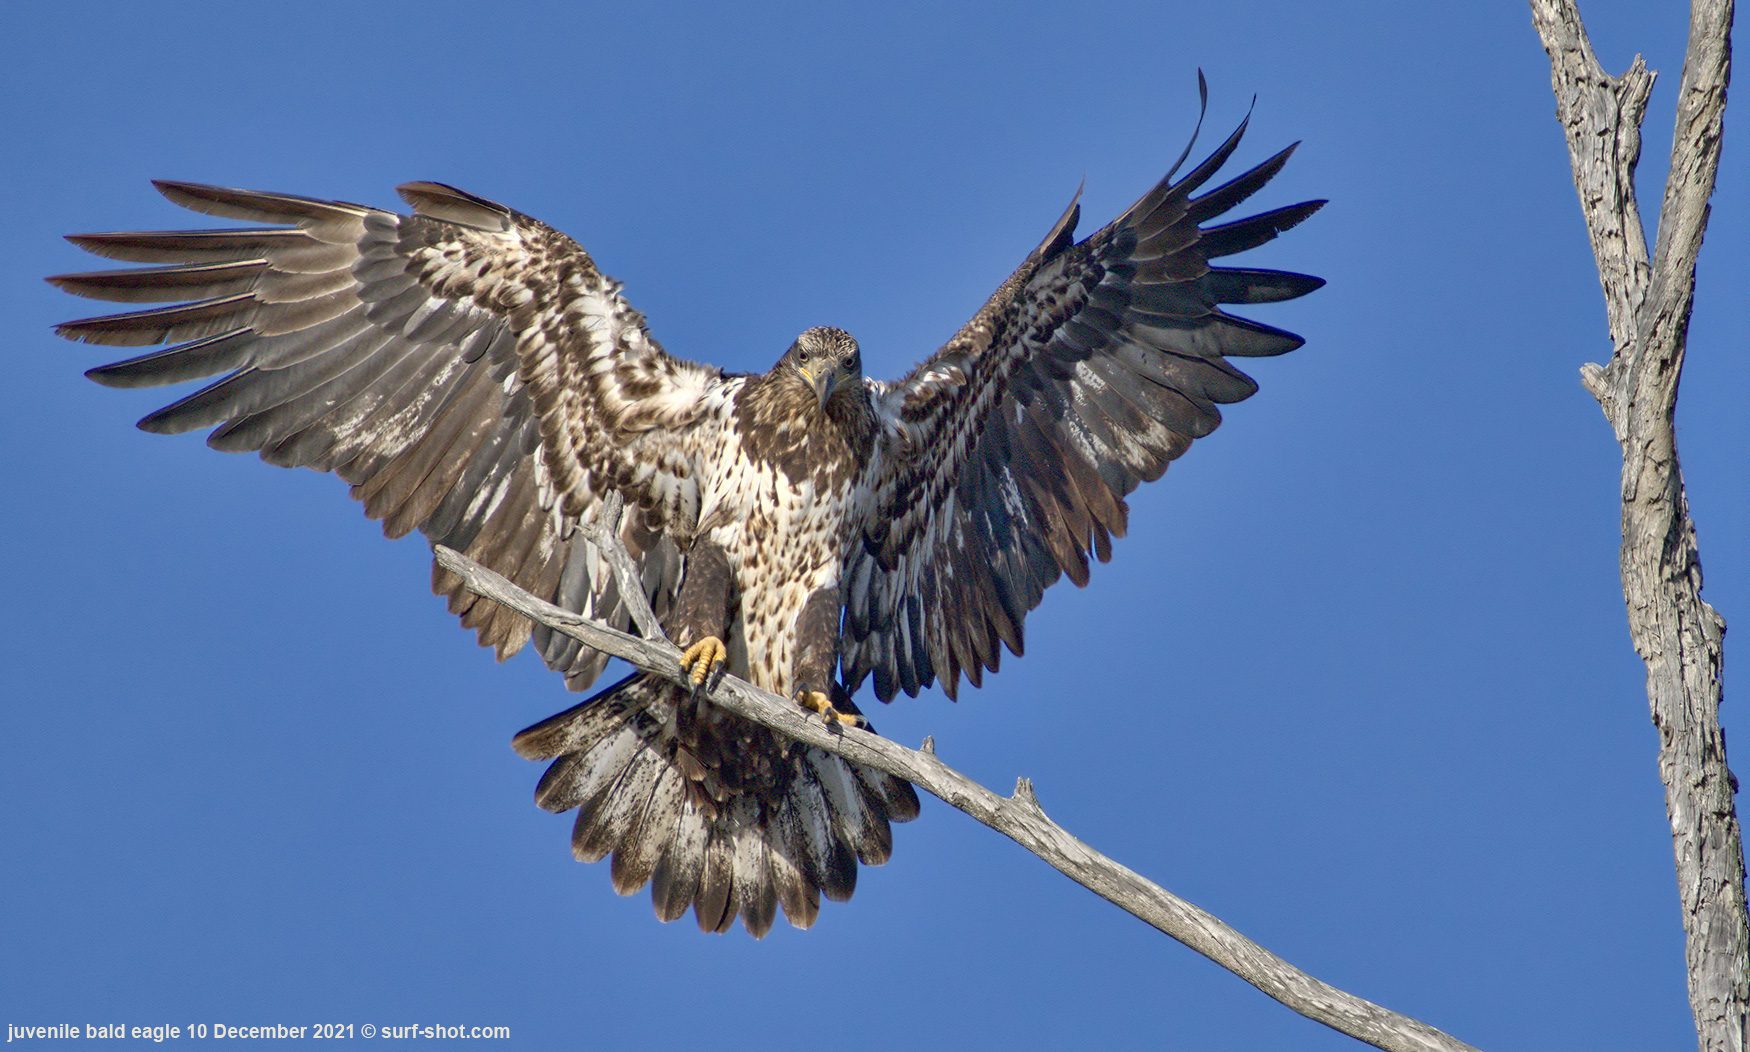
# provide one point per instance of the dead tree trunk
(1677, 635)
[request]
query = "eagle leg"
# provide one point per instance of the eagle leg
(820, 704)
(701, 614)
(702, 659)
(817, 656)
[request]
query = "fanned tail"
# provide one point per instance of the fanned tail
(714, 812)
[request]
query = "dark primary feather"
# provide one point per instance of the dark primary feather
(1012, 449)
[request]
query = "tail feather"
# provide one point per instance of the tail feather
(798, 888)
(578, 776)
(636, 858)
(575, 728)
(832, 862)
(606, 817)
(713, 812)
(754, 895)
(856, 817)
(712, 908)
(675, 883)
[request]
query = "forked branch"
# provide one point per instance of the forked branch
(1648, 301)
(1018, 816)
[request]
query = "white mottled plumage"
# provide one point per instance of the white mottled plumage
(785, 538)
(473, 375)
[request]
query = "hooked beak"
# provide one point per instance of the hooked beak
(823, 384)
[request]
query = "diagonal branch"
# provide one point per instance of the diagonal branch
(1677, 635)
(1018, 816)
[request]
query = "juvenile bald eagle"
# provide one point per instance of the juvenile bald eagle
(473, 375)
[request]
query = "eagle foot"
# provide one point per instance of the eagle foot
(702, 659)
(816, 702)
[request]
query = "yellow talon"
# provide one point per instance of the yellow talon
(702, 658)
(816, 702)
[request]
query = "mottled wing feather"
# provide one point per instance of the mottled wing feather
(466, 368)
(1008, 454)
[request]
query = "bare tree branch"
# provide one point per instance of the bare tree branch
(1018, 816)
(1677, 635)
(603, 533)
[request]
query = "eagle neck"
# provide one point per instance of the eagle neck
(783, 424)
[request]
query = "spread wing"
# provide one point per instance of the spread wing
(1009, 453)
(466, 368)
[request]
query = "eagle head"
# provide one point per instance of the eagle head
(825, 359)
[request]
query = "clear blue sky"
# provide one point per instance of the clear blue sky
(1359, 680)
